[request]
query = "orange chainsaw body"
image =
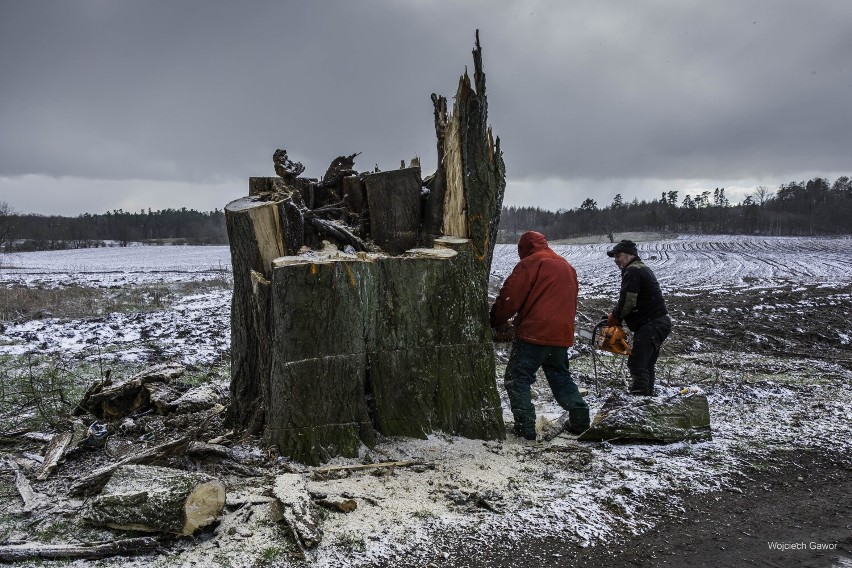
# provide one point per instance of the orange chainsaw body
(612, 338)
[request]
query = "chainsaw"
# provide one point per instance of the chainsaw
(610, 338)
(605, 337)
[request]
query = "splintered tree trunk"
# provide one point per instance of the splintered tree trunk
(470, 180)
(329, 348)
(157, 499)
(394, 201)
(255, 234)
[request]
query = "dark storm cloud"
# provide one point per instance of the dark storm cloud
(202, 92)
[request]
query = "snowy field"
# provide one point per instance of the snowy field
(709, 262)
(481, 495)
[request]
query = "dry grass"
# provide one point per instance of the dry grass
(21, 303)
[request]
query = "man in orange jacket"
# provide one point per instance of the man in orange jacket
(541, 294)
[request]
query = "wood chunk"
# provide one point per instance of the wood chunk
(55, 452)
(651, 419)
(394, 201)
(157, 499)
(116, 400)
(299, 511)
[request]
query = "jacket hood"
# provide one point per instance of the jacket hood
(530, 243)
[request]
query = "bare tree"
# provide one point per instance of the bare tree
(762, 194)
(6, 227)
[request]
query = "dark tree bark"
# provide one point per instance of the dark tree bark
(394, 201)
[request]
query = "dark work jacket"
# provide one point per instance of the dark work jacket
(641, 299)
(541, 294)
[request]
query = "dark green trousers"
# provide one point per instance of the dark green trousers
(524, 361)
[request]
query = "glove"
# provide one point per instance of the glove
(611, 320)
(503, 334)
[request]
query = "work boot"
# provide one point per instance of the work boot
(639, 389)
(525, 434)
(578, 420)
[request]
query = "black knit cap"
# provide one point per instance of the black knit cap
(623, 246)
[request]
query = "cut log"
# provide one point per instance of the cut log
(92, 551)
(299, 511)
(394, 201)
(683, 417)
(157, 499)
(255, 234)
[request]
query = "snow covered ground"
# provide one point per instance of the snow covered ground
(490, 492)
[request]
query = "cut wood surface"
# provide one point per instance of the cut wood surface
(157, 499)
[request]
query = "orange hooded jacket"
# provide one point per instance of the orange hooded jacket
(541, 293)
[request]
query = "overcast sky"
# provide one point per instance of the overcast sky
(108, 104)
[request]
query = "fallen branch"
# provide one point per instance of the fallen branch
(358, 467)
(92, 551)
(298, 509)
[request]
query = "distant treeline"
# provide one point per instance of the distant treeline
(816, 207)
(176, 226)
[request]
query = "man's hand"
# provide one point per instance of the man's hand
(611, 320)
(503, 333)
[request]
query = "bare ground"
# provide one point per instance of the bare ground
(789, 333)
(803, 501)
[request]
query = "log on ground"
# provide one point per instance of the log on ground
(91, 551)
(157, 499)
(683, 417)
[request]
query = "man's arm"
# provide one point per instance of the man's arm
(630, 281)
(512, 296)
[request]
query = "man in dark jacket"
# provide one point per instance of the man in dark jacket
(541, 294)
(642, 308)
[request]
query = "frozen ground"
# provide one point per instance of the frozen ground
(762, 325)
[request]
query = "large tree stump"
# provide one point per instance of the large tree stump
(157, 499)
(330, 348)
